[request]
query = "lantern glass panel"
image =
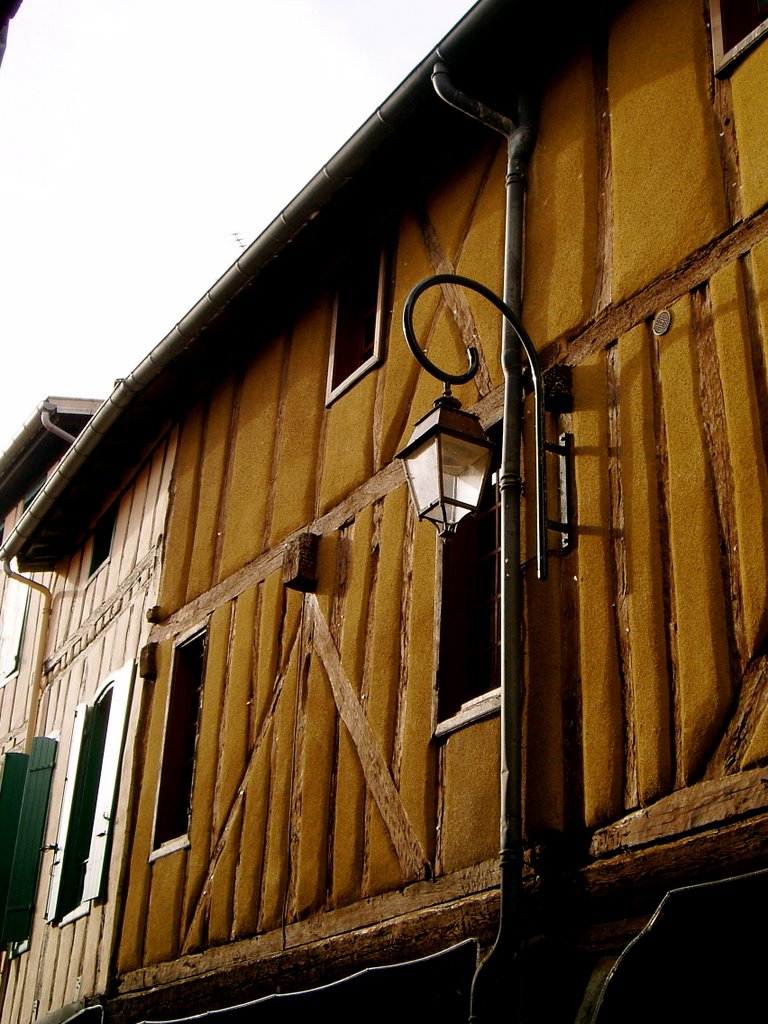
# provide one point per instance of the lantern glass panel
(464, 466)
(422, 470)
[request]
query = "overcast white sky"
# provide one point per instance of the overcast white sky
(136, 136)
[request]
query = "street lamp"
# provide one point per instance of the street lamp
(446, 463)
(447, 458)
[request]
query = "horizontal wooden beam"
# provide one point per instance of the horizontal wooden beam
(635, 880)
(271, 561)
(312, 964)
(478, 883)
(575, 346)
(598, 907)
(706, 805)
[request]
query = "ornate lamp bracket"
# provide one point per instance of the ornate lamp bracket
(520, 334)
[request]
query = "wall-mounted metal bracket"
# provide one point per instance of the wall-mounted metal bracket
(563, 451)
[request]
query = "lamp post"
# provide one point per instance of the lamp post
(506, 949)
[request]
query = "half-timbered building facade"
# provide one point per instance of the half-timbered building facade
(73, 623)
(316, 786)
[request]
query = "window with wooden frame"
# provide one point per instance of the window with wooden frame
(88, 800)
(736, 26)
(174, 797)
(359, 319)
(469, 643)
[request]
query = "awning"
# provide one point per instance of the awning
(435, 987)
(74, 1013)
(701, 957)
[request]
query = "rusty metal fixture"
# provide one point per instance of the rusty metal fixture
(661, 322)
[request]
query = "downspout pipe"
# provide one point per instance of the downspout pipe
(502, 965)
(36, 681)
(45, 418)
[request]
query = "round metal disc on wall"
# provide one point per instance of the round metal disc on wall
(661, 322)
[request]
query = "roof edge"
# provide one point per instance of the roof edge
(33, 424)
(384, 122)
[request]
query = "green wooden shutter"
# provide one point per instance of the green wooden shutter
(11, 792)
(29, 840)
(58, 903)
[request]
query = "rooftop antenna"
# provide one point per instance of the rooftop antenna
(238, 239)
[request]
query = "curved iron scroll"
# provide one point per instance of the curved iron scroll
(462, 378)
(410, 337)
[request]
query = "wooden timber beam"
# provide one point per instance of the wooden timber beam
(709, 804)
(611, 323)
(385, 793)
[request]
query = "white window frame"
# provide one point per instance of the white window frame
(13, 620)
(120, 682)
(725, 59)
(182, 841)
(331, 392)
(65, 812)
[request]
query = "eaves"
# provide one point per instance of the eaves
(395, 150)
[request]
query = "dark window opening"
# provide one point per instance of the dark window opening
(358, 319)
(174, 800)
(469, 662)
(737, 24)
(740, 17)
(102, 540)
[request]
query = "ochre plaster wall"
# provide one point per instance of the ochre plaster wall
(562, 230)
(667, 183)
(638, 646)
(750, 106)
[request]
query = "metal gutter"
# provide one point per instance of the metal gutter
(31, 427)
(352, 156)
(40, 444)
